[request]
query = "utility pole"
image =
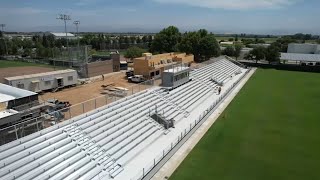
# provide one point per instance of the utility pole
(4, 40)
(65, 18)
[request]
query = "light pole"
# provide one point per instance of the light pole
(77, 23)
(65, 18)
(4, 40)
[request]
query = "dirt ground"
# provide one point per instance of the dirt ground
(18, 71)
(88, 91)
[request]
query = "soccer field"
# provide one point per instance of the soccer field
(271, 130)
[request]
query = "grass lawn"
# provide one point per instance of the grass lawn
(270, 131)
(6, 64)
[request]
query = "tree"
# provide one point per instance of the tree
(133, 39)
(45, 42)
(92, 52)
(145, 39)
(41, 51)
(138, 40)
(2, 47)
(127, 41)
(272, 54)
(261, 41)
(209, 47)
(229, 51)
(51, 40)
(166, 40)
(237, 50)
(13, 49)
(236, 38)
(199, 43)
(256, 54)
(230, 39)
(283, 42)
(27, 52)
(134, 52)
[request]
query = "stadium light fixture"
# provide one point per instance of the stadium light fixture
(77, 23)
(4, 40)
(65, 18)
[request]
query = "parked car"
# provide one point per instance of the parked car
(136, 79)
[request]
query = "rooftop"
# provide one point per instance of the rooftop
(39, 74)
(7, 112)
(62, 34)
(8, 93)
(300, 57)
(177, 69)
(149, 56)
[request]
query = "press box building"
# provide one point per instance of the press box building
(152, 66)
(176, 76)
(44, 81)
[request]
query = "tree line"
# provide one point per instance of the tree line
(42, 46)
(202, 44)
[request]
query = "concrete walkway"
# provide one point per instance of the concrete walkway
(173, 163)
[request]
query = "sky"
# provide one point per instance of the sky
(218, 16)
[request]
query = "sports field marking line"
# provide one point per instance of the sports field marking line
(173, 163)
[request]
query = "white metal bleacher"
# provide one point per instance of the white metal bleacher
(101, 142)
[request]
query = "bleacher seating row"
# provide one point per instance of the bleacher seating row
(101, 142)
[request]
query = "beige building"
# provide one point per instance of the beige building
(152, 66)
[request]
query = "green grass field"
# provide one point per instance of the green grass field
(6, 64)
(270, 131)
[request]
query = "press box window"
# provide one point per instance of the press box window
(47, 83)
(21, 86)
(70, 78)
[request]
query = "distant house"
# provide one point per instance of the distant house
(60, 35)
(226, 43)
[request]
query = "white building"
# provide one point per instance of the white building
(11, 97)
(44, 81)
(304, 48)
(61, 35)
(226, 43)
